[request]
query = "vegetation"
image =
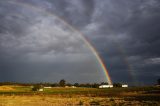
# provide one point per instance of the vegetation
(117, 85)
(18, 95)
(62, 83)
(36, 87)
(80, 103)
(95, 103)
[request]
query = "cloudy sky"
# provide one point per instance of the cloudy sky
(40, 40)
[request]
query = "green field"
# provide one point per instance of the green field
(24, 96)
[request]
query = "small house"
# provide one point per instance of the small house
(73, 86)
(124, 86)
(106, 86)
(40, 90)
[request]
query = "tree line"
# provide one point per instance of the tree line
(61, 83)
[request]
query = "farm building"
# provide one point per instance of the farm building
(70, 86)
(73, 86)
(124, 86)
(106, 86)
(40, 89)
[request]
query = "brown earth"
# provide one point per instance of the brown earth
(6, 88)
(36, 100)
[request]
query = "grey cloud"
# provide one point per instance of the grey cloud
(125, 33)
(153, 61)
(37, 46)
(127, 29)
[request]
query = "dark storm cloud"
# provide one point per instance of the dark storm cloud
(135, 28)
(37, 46)
(125, 33)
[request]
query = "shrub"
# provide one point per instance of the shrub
(94, 103)
(111, 99)
(80, 103)
(36, 87)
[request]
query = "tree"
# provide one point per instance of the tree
(54, 85)
(62, 83)
(36, 87)
(95, 85)
(76, 84)
(117, 85)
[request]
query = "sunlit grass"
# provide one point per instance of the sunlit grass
(59, 96)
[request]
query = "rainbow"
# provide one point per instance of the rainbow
(128, 65)
(101, 63)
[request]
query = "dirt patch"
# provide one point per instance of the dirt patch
(6, 88)
(49, 100)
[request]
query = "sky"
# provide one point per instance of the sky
(41, 40)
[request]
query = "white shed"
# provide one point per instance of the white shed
(40, 90)
(106, 86)
(124, 86)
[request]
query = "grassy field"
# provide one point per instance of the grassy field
(24, 96)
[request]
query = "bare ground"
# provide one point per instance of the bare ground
(50, 100)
